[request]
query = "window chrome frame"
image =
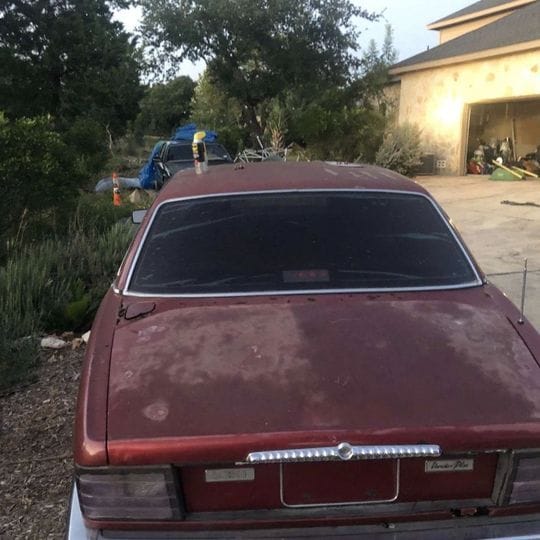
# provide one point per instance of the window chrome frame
(129, 292)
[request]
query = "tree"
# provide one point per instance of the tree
(165, 106)
(213, 109)
(334, 126)
(256, 50)
(375, 66)
(37, 174)
(68, 59)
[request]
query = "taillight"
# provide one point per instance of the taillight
(526, 485)
(134, 493)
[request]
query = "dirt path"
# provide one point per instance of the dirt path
(36, 424)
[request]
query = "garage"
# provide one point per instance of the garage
(506, 129)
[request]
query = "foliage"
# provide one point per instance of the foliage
(276, 124)
(18, 348)
(165, 106)
(55, 285)
(400, 150)
(335, 126)
(375, 66)
(256, 50)
(213, 109)
(67, 58)
(86, 140)
(38, 179)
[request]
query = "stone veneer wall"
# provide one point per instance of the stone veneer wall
(437, 99)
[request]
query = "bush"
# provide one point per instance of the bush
(400, 150)
(53, 286)
(38, 179)
(18, 348)
(87, 141)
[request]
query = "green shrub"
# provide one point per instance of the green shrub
(18, 347)
(95, 212)
(55, 285)
(400, 150)
(38, 178)
(88, 143)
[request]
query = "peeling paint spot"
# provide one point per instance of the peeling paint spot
(534, 69)
(490, 77)
(157, 411)
(456, 76)
(255, 350)
(145, 335)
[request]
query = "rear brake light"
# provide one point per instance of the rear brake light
(128, 494)
(526, 484)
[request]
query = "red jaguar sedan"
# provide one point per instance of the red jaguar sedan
(305, 350)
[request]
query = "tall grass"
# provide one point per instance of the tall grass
(55, 285)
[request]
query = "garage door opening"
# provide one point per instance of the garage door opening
(507, 131)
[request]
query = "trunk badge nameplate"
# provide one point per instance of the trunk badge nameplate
(246, 474)
(449, 465)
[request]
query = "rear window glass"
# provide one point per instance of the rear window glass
(291, 242)
(184, 152)
(181, 152)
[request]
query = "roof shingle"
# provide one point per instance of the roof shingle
(521, 26)
(482, 5)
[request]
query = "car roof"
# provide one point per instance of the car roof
(185, 142)
(280, 176)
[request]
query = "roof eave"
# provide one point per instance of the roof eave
(445, 23)
(471, 57)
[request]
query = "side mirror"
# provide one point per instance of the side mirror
(137, 216)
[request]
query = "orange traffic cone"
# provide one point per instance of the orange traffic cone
(117, 199)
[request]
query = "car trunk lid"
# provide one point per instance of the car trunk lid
(205, 380)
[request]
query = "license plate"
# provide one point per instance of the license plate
(338, 483)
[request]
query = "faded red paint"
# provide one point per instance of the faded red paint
(350, 364)
(202, 382)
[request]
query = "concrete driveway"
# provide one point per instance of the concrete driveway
(500, 236)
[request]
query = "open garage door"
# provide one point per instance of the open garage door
(509, 130)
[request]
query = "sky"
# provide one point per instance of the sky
(408, 19)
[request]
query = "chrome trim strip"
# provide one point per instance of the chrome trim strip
(345, 452)
(351, 503)
(304, 292)
(129, 292)
(115, 289)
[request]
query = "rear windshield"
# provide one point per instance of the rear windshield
(184, 152)
(180, 152)
(293, 242)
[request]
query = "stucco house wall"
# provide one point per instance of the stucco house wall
(437, 99)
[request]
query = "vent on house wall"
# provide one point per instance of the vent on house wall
(427, 164)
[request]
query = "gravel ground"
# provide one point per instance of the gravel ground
(36, 424)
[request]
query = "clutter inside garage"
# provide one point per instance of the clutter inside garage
(504, 140)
